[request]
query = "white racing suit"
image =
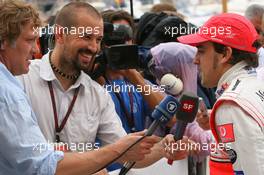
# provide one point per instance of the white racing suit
(237, 121)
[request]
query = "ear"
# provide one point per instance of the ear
(58, 30)
(227, 55)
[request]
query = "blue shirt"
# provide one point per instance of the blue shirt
(23, 148)
(140, 108)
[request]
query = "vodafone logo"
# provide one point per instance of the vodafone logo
(222, 131)
(226, 132)
(188, 106)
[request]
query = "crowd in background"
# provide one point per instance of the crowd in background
(104, 119)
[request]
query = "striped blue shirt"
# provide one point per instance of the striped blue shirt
(23, 148)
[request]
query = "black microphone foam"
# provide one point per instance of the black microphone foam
(186, 114)
(189, 107)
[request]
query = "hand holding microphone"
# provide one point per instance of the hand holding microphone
(186, 114)
(140, 150)
(162, 114)
(172, 149)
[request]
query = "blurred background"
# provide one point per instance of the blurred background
(195, 11)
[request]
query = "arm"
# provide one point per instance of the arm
(163, 149)
(26, 149)
(22, 144)
(239, 132)
(86, 163)
(110, 128)
(92, 161)
(102, 172)
(151, 95)
(157, 152)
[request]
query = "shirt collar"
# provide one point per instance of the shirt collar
(47, 74)
(239, 70)
(9, 75)
(83, 80)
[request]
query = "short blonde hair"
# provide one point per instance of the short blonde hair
(14, 14)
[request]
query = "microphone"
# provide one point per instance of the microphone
(162, 115)
(186, 114)
(173, 85)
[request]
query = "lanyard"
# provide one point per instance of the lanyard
(57, 127)
(129, 117)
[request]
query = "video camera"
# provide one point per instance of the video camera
(118, 57)
(123, 56)
(115, 34)
(116, 54)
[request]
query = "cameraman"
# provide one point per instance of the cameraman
(132, 105)
(143, 102)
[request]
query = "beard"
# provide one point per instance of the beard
(82, 65)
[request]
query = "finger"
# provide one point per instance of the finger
(140, 133)
(151, 139)
(146, 145)
(145, 151)
(169, 138)
(184, 139)
(177, 156)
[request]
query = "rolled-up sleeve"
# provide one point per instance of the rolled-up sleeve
(110, 129)
(23, 148)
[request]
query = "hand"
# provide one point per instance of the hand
(138, 151)
(102, 172)
(193, 147)
(172, 148)
(203, 120)
(130, 74)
